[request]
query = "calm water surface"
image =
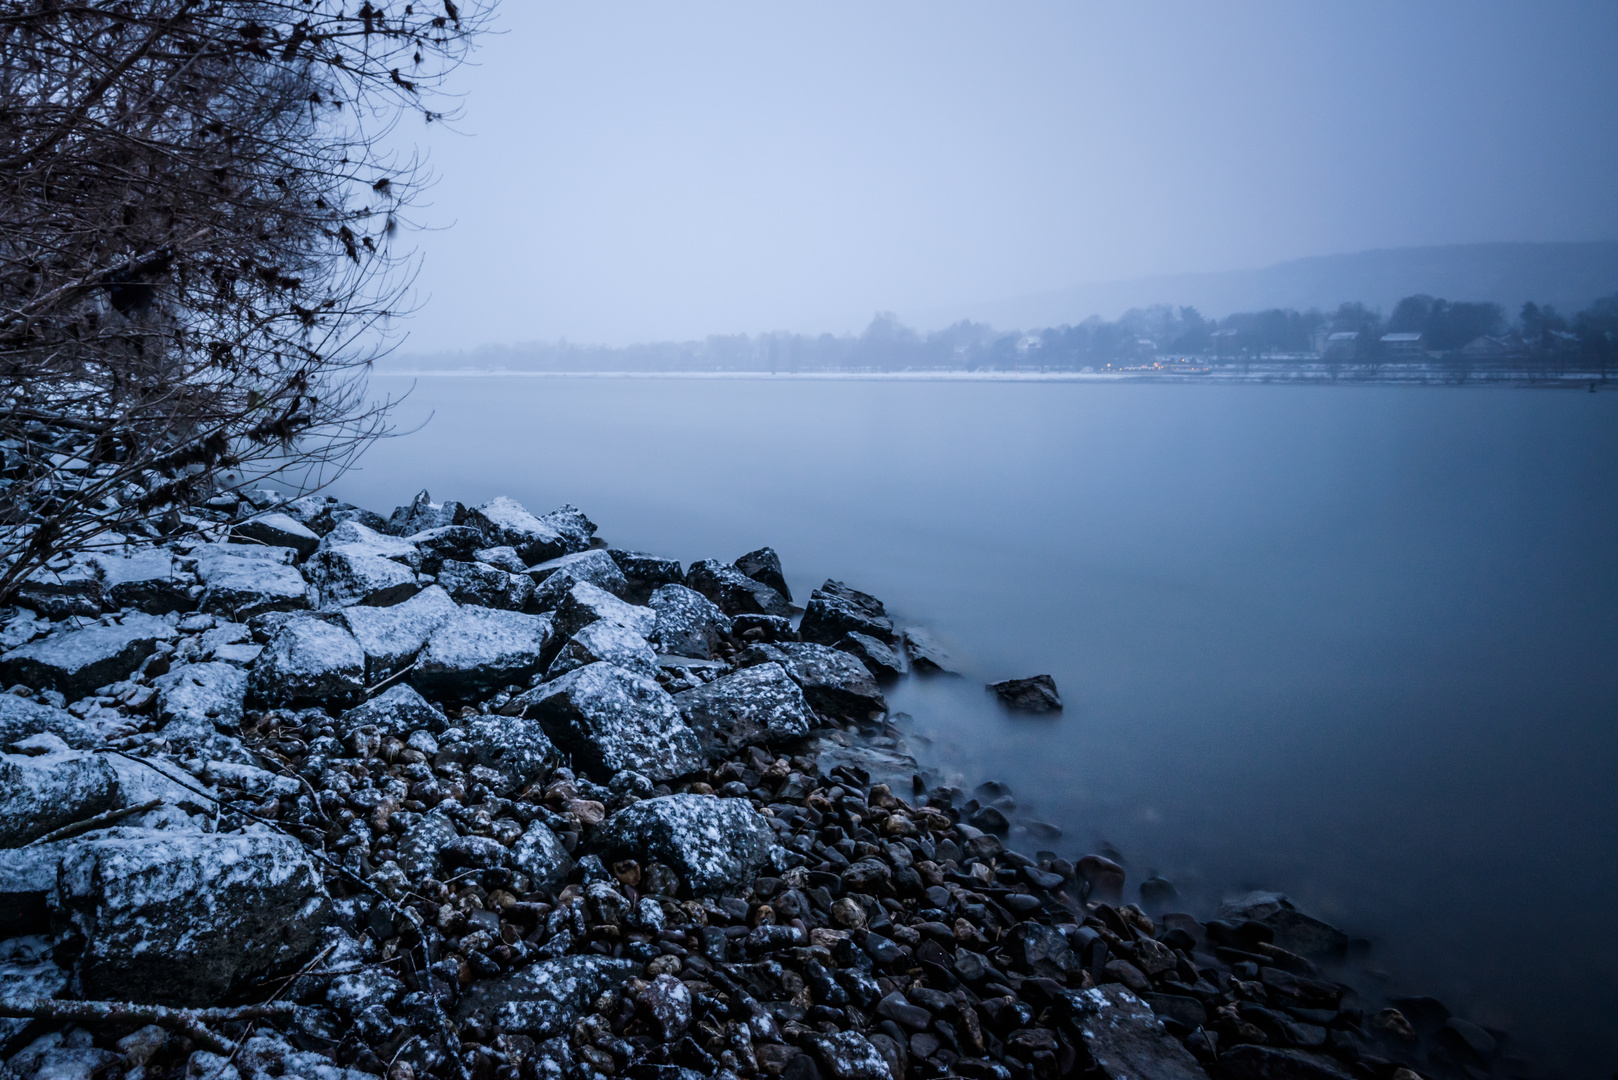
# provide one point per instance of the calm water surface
(1356, 644)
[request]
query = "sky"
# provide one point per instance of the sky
(627, 172)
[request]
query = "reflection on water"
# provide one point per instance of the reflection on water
(1354, 644)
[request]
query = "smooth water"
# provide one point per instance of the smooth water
(1356, 644)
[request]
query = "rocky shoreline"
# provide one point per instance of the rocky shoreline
(288, 789)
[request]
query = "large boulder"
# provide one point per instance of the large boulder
(480, 651)
(43, 792)
(448, 542)
(398, 711)
(645, 573)
(147, 580)
(733, 591)
(202, 696)
(609, 642)
(879, 659)
(610, 720)
(276, 529)
(250, 583)
(584, 603)
(834, 683)
(22, 717)
(76, 662)
(595, 566)
(391, 637)
(503, 520)
(514, 749)
(75, 585)
(687, 623)
(484, 585)
(1124, 1038)
(357, 565)
(544, 999)
(187, 918)
(764, 567)
(422, 514)
(714, 844)
(759, 704)
(834, 609)
(309, 660)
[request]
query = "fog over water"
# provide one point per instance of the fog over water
(1351, 643)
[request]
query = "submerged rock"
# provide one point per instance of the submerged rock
(714, 844)
(1294, 931)
(1036, 694)
(611, 720)
(926, 654)
(1125, 1040)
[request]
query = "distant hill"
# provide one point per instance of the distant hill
(1568, 275)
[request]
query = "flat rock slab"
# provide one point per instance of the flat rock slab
(610, 720)
(344, 576)
(1036, 694)
(584, 603)
(309, 660)
(242, 586)
(714, 844)
(185, 918)
(480, 651)
(884, 766)
(276, 529)
(597, 567)
(391, 637)
(546, 998)
(147, 580)
(759, 704)
(733, 591)
(73, 587)
(687, 623)
(21, 717)
(76, 662)
(1125, 1040)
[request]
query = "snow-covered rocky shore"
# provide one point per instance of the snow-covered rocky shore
(301, 791)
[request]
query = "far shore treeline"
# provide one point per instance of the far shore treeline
(1420, 330)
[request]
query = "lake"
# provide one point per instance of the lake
(1356, 644)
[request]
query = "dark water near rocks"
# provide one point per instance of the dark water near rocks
(1356, 644)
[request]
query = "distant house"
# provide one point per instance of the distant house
(1343, 345)
(1404, 347)
(1495, 347)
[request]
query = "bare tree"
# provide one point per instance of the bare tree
(196, 204)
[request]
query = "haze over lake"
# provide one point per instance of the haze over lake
(1354, 644)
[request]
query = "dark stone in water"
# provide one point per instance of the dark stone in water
(1035, 695)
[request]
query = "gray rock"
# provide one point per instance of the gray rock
(244, 586)
(1250, 1062)
(764, 567)
(927, 656)
(1294, 931)
(714, 844)
(667, 1001)
(541, 856)
(72, 586)
(1035, 695)
(687, 623)
(309, 660)
(546, 998)
(186, 918)
(481, 650)
(422, 841)
(848, 1055)
(41, 793)
(733, 591)
(608, 642)
(646, 573)
(313, 512)
(449, 542)
(357, 565)
(204, 696)
(423, 514)
(583, 604)
(484, 585)
(22, 628)
(609, 720)
(22, 717)
(276, 529)
(501, 558)
(504, 521)
(515, 749)
(76, 662)
(880, 660)
(759, 704)
(834, 609)
(147, 580)
(391, 637)
(397, 711)
(597, 567)
(1125, 1039)
(834, 683)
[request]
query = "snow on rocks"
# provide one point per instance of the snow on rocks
(733, 591)
(246, 581)
(714, 844)
(309, 660)
(357, 565)
(390, 637)
(645, 573)
(545, 999)
(687, 623)
(184, 918)
(422, 514)
(1122, 1034)
(480, 650)
(21, 717)
(446, 542)
(584, 603)
(276, 529)
(511, 751)
(63, 587)
(609, 642)
(610, 720)
(398, 711)
(595, 566)
(834, 683)
(759, 704)
(484, 585)
(75, 662)
(503, 520)
(194, 700)
(541, 856)
(41, 792)
(147, 580)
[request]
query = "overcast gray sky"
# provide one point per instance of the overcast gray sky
(647, 171)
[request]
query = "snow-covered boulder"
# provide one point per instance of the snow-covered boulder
(75, 662)
(250, 583)
(276, 529)
(584, 603)
(391, 637)
(758, 704)
(398, 711)
(480, 650)
(503, 520)
(609, 642)
(484, 585)
(734, 591)
(357, 565)
(834, 683)
(42, 792)
(147, 580)
(610, 720)
(688, 623)
(714, 844)
(308, 660)
(514, 749)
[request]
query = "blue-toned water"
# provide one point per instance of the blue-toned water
(1358, 644)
